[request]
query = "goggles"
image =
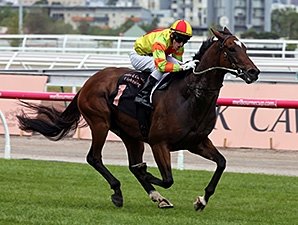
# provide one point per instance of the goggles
(180, 38)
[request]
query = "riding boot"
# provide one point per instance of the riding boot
(143, 97)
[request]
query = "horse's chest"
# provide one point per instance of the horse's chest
(192, 121)
(200, 134)
(201, 127)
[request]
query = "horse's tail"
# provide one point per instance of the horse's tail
(50, 122)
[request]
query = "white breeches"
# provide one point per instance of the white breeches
(146, 63)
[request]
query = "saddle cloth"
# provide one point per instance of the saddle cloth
(128, 87)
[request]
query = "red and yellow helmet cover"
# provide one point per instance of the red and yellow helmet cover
(182, 27)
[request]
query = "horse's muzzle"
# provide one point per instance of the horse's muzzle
(250, 75)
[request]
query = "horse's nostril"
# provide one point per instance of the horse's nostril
(253, 72)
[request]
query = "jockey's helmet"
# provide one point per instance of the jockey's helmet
(182, 27)
(181, 30)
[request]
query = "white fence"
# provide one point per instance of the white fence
(96, 52)
(70, 59)
(123, 45)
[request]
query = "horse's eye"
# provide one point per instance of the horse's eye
(232, 49)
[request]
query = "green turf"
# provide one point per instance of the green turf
(41, 192)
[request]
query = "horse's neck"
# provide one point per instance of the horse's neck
(206, 84)
(212, 79)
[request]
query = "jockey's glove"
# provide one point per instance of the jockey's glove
(189, 65)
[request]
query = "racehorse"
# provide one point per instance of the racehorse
(184, 115)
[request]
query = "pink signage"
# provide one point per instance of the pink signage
(257, 127)
(10, 107)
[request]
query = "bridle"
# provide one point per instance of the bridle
(237, 72)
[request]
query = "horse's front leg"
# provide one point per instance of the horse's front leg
(207, 150)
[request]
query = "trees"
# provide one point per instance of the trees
(285, 22)
(251, 33)
(38, 22)
(9, 19)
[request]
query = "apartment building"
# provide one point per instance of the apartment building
(240, 15)
(106, 16)
(50, 2)
(194, 11)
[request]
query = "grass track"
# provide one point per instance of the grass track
(41, 192)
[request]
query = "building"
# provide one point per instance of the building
(167, 11)
(106, 16)
(194, 11)
(52, 2)
(134, 31)
(237, 15)
(240, 15)
(6, 2)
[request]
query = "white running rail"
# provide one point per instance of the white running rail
(7, 147)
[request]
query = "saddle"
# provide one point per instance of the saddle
(128, 86)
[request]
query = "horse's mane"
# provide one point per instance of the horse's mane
(206, 44)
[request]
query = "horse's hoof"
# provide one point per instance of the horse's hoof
(117, 200)
(165, 204)
(200, 203)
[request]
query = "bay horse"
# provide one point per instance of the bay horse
(183, 116)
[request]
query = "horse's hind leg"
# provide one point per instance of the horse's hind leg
(94, 158)
(207, 150)
(135, 150)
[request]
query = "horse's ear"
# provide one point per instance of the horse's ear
(217, 34)
(227, 31)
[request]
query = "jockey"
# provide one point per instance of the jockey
(158, 52)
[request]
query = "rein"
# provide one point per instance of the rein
(235, 72)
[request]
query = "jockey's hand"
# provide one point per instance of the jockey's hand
(189, 65)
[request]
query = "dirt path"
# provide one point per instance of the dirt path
(114, 153)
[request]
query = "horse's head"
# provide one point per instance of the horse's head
(233, 56)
